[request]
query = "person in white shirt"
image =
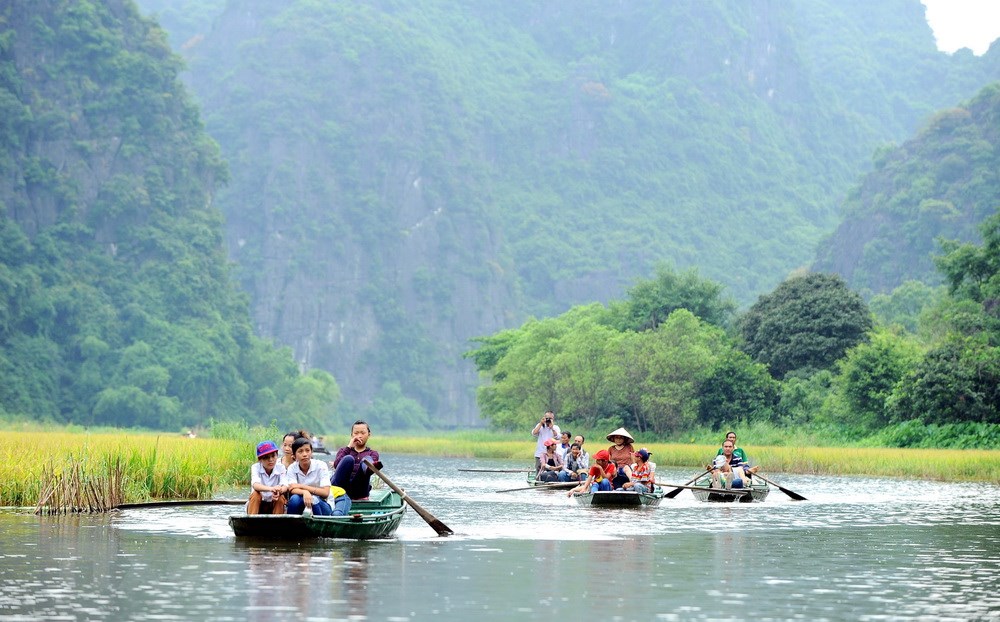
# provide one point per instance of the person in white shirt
(545, 429)
(267, 492)
(309, 486)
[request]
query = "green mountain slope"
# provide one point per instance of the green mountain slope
(408, 175)
(116, 305)
(942, 183)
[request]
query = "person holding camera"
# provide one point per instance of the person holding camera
(544, 430)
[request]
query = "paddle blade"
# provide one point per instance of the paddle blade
(791, 493)
(436, 525)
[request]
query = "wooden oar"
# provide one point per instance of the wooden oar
(495, 470)
(548, 486)
(182, 503)
(436, 525)
(791, 493)
(677, 491)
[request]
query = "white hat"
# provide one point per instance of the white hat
(719, 461)
(621, 432)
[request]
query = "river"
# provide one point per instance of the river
(858, 549)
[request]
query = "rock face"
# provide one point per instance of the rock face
(409, 175)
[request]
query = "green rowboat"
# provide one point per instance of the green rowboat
(378, 517)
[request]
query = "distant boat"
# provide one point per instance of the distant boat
(757, 491)
(620, 498)
(378, 517)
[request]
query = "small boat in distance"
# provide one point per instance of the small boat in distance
(620, 498)
(377, 517)
(756, 491)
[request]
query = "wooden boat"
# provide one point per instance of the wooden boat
(537, 483)
(757, 491)
(620, 498)
(378, 517)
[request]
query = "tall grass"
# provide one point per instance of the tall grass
(154, 467)
(173, 467)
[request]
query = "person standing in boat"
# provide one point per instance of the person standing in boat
(267, 492)
(309, 486)
(544, 430)
(350, 471)
(552, 463)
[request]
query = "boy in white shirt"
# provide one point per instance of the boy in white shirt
(309, 486)
(267, 492)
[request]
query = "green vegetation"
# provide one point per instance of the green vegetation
(941, 184)
(116, 306)
(406, 175)
(154, 467)
(806, 324)
(835, 372)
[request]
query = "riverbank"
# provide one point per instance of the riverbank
(148, 466)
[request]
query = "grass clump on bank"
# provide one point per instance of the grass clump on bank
(150, 466)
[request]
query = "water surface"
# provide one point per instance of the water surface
(858, 549)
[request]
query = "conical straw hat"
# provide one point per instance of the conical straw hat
(621, 432)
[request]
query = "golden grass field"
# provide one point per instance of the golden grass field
(164, 466)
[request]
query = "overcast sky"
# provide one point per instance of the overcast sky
(959, 24)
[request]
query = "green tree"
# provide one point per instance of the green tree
(870, 372)
(806, 324)
(738, 390)
(651, 301)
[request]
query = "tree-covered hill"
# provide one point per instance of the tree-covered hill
(943, 183)
(116, 305)
(408, 175)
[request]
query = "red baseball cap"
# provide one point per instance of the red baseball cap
(602, 455)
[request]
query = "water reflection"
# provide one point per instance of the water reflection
(860, 548)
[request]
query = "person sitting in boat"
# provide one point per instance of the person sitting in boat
(552, 463)
(309, 486)
(621, 453)
(575, 466)
(642, 473)
(350, 471)
(601, 474)
(267, 492)
(729, 469)
(564, 445)
(287, 458)
(731, 436)
(578, 439)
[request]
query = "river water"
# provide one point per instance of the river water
(858, 549)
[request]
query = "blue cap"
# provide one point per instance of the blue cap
(644, 453)
(266, 447)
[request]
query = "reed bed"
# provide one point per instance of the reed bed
(94, 472)
(930, 464)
